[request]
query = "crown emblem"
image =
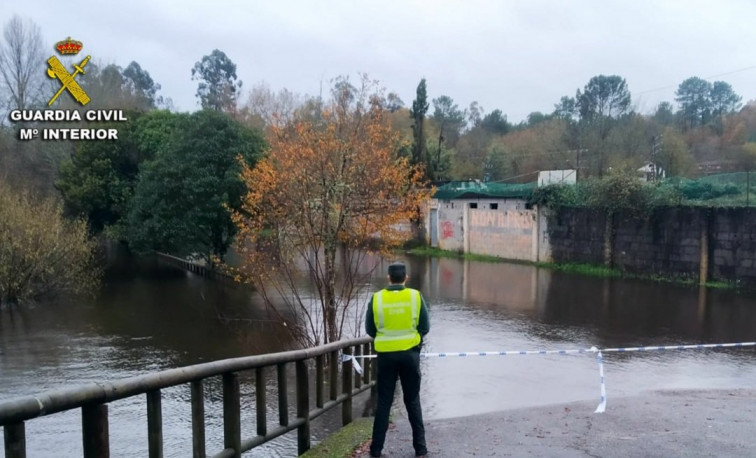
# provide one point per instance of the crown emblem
(69, 46)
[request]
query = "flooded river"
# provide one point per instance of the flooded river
(148, 318)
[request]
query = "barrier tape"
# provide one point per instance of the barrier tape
(599, 357)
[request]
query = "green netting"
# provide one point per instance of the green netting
(738, 178)
(476, 189)
(725, 185)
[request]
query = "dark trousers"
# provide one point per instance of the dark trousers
(406, 366)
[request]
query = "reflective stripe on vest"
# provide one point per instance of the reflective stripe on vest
(396, 313)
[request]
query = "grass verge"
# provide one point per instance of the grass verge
(344, 442)
(583, 269)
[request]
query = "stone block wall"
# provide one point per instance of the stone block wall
(674, 241)
(577, 235)
(732, 245)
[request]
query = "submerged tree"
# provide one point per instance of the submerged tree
(184, 197)
(329, 189)
(41, 253)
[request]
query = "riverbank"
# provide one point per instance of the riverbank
(701, 423)
(576, 268)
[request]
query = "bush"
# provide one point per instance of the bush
(41, 253)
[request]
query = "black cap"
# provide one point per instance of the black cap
(397, 269)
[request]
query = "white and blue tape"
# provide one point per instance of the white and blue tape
(599, 357)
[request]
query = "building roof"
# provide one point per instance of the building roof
(477, 189)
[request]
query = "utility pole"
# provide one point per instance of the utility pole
(655, 153)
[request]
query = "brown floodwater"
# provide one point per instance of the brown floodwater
(147, 318)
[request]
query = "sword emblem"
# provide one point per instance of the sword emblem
(57, 70)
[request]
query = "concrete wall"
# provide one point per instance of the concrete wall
(496, 227)
(451, 225)
(699, 243)
(503, 233)
(716, 244)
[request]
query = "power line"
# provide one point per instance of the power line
(516, 176)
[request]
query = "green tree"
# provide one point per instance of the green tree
(664, 114)
(155, 130)
(218, 87)
(111, 86)
(97, 182)
(695, 103)
(393, 102)
(450, 121)
(417, 114)
(723, 99)
(567, 108)
(674, 155)
(449, 118)
(141, 85)
(536, 117)
(603, 97)
(601, 103)
(41, 253)
(495, 122)
(475, 114)
(185, 196)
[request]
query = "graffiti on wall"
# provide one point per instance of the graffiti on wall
(447, 230)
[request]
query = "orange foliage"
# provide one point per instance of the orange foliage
(330, 183)
(339, 183)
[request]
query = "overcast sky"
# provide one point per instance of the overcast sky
(517, 56)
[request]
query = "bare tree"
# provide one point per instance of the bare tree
(21, 64)
(265, 107)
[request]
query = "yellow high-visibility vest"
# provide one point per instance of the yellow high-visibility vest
(396, 314)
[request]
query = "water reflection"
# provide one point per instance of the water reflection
(491, 307)
(149, 318)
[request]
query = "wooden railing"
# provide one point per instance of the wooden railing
(194, 267)
(93, 400)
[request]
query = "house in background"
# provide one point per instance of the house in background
(493, 219)
(651, 172)
(547, 177)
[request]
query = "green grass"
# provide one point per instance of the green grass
(576, 268)
(439, 253)
(583, 269)
(345, 441)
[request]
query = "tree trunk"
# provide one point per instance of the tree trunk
(331, 333)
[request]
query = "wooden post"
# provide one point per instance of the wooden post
(303, 407)
(198, 419)
(346, 373)
(231, 414)
(94, 429)
(366, 363)
(374, 388)
(334, 368)
(15, 440)
(319, 380)
(283, 401)
(154, 424)
(260, 402)
(358, 378)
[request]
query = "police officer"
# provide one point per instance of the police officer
(397, 318)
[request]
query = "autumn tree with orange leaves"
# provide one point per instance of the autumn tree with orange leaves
(331, 192)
